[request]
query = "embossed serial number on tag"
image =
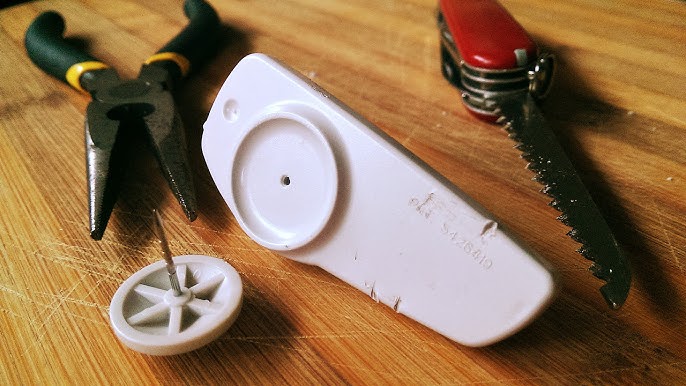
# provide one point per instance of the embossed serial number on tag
(436, 211)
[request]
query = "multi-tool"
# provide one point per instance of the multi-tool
(501, 75)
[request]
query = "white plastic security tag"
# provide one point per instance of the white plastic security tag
(307, 177)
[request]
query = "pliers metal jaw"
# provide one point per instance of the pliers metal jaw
(118, 110)
(121, 108)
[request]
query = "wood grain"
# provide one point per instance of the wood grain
(618, 108)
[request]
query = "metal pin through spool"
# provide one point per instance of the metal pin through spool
(166, 253)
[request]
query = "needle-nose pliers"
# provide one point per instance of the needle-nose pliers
(121, 107)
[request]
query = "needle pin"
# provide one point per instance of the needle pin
(166, 253)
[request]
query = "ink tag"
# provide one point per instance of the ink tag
(308, 178)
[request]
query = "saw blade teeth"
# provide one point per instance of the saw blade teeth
(564, 218)
(575, 235)
(600, 272)
(551, 191)
(538, 178)
(511, 132)
(530, 158)
(535, 167)
(586, 252)
(560, 181)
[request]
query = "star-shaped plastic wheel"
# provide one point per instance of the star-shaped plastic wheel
(148, 317)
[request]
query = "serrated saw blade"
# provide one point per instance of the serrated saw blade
(553, 169)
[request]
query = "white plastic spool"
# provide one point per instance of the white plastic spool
(147, 317)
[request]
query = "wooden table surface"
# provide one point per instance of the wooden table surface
(618, 108)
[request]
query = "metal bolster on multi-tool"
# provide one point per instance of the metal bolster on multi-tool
(481, 88)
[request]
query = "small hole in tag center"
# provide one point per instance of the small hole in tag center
(285, 180)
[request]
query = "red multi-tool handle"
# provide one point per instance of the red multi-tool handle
(486, 35)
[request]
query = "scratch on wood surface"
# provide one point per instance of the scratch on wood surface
(222, 246)
(232, 234)
(72, 257)
(30, 300)
(52, 307)
(284, 275)
(81, 302)
(42, 310)
(55, 308)
(87, 266)
(663, 228)
(13, 314)
(14, 292)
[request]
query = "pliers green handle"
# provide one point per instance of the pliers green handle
(119, 108)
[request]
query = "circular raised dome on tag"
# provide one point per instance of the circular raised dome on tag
(284, 181)
(147, 317)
